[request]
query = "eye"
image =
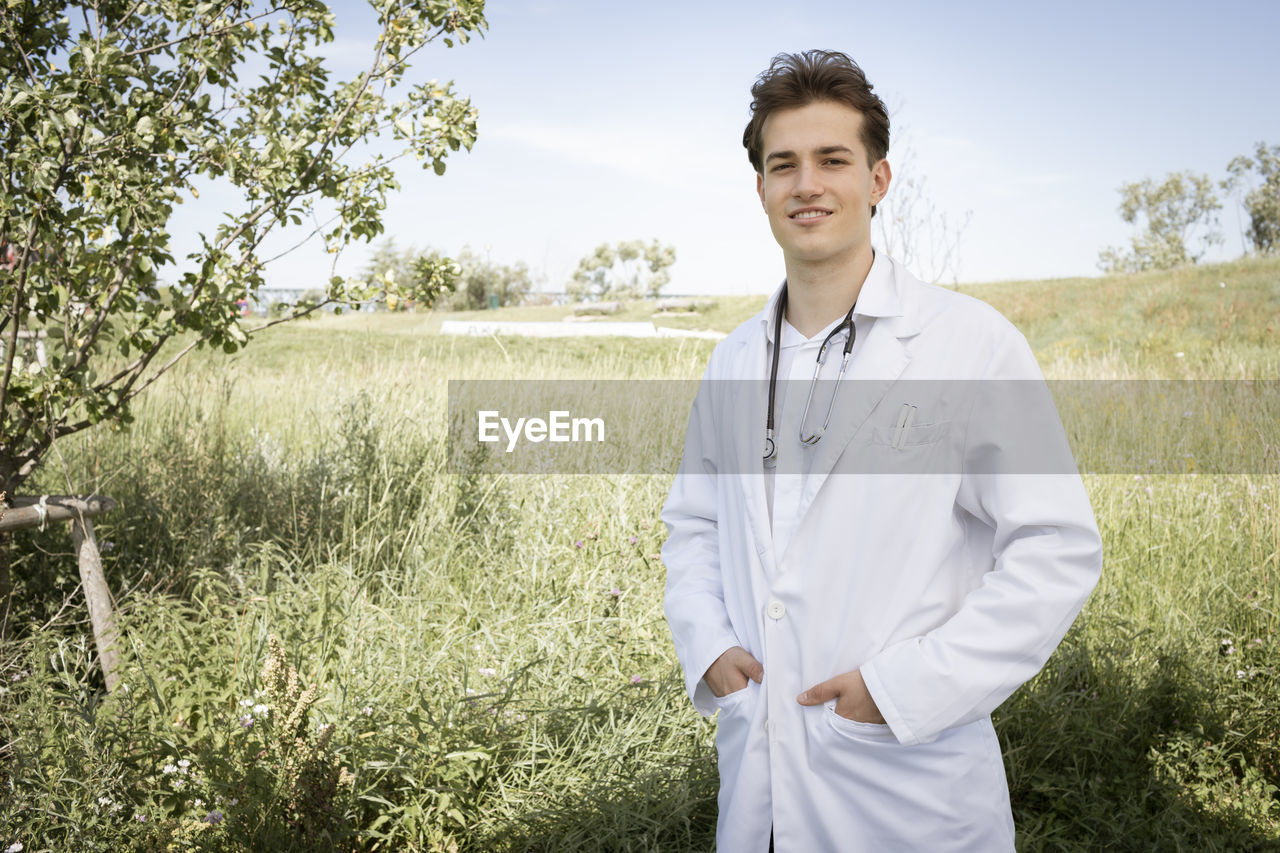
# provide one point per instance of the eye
(836, 160)
(780, 167)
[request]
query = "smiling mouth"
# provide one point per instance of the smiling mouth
(807, 215)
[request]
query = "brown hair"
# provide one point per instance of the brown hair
(800, 79)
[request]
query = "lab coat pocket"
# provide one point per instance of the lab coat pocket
(733, 725)
(919, 449)
(946, 795)
(917, 435)
(729, 701)
(878, 732)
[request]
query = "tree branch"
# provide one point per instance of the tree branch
(204, 32)
(12, 348)
(17, 43)
(294, 316)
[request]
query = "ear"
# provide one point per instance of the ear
(760, 190)
(881, 175)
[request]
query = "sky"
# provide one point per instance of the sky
(601, 122)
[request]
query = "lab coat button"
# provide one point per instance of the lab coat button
(776, 609)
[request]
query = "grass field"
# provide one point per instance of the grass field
(489, 650)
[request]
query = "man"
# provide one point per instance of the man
(858, 585)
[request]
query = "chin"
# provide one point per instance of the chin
(813, 254)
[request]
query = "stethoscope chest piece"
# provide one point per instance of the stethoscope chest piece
(770, 451)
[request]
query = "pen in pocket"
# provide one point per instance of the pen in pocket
(905, 418)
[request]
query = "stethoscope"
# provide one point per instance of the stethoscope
(806, 438)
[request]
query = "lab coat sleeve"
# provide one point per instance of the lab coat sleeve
(1047, 557)
(694, 601)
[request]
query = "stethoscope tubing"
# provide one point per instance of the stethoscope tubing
(770, 448)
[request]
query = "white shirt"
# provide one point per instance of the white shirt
(796, 363)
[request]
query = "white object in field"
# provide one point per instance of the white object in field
(570, 330)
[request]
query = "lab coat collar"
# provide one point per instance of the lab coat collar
(881, 295)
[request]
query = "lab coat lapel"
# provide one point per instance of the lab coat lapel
(753, 386)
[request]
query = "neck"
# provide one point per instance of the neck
(818, 294)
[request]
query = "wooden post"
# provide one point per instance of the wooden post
(6, 586)
(98, 597)
(26, 512)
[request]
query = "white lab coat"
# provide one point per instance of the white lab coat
(948, 590)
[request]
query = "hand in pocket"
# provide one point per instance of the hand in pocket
(731, 672)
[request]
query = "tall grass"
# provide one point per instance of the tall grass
(490, 650)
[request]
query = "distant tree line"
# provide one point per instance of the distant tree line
(629, 269)
(1177, 218)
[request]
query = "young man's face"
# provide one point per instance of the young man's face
(817, 188)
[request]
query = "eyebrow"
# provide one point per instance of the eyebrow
(826, 149)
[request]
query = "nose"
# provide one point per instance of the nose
(808, 184)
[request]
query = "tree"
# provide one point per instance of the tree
(1175, 211)
(629, 270)
(911, 228)
(1261, 200)
(409, 277)
(480, 278)
(112, 113)
(389, 263)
